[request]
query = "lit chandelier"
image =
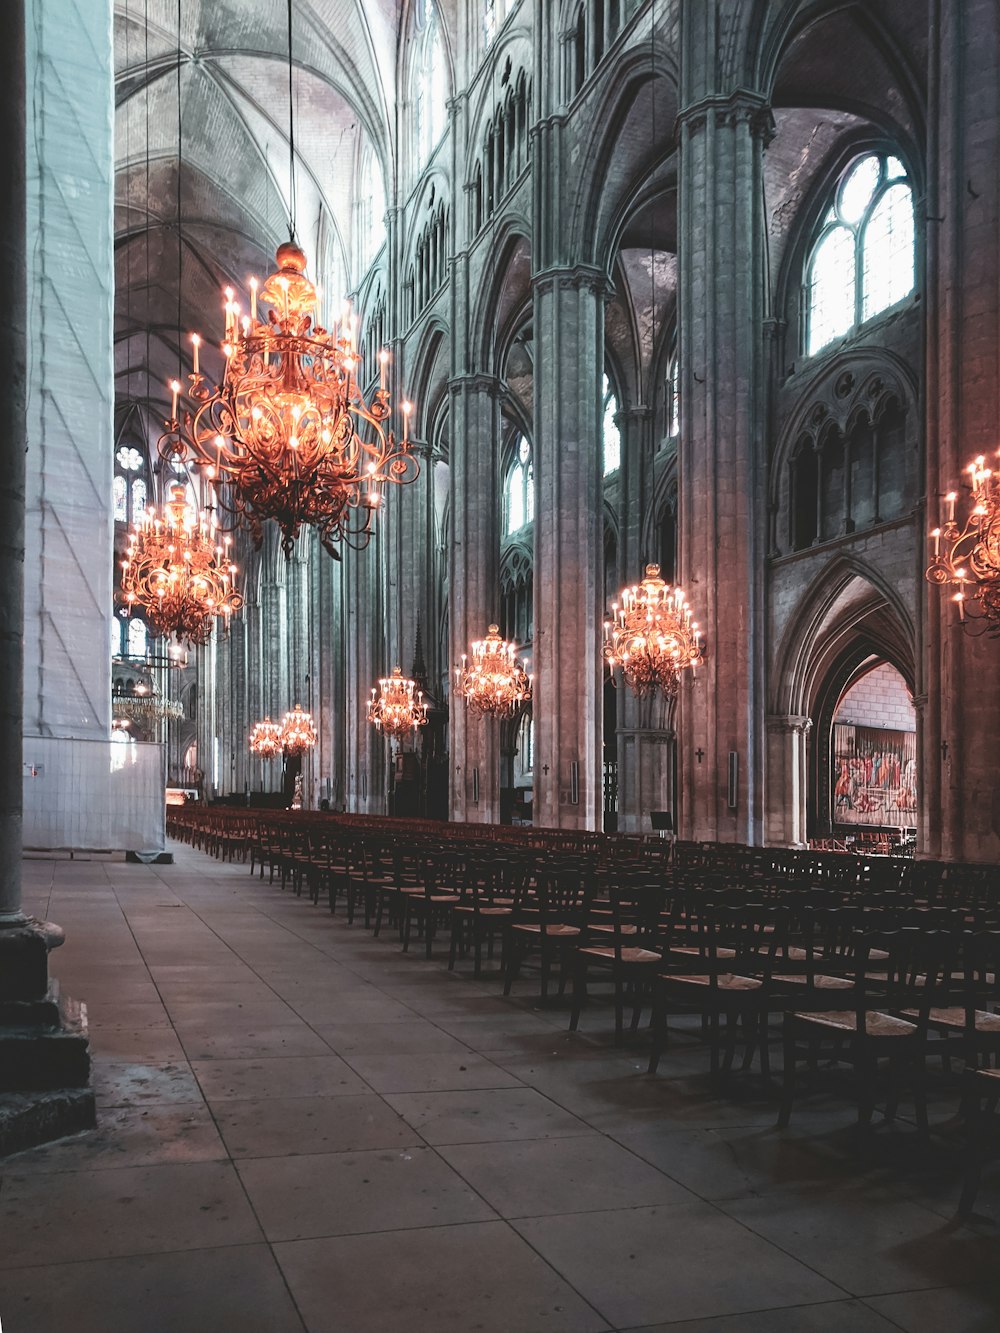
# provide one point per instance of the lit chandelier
(265, 739)
(970, 560)
(298, 732)
(397, 706)
(288, 434)
(494, 681)
(652, 636)
(178, 573)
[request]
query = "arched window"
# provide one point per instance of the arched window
(863, 261)
(520, 490)
(129, 487)
(371, 207)
(430, 86)
(610, 433)
(673, 399)
(494, 14)
(138, 638)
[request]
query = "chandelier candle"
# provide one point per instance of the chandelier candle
(651, 636)
(288, 435)
(178, 573)
(970, 558)
(298, 731)
(396, 705)
(494, 681)
(265, 739)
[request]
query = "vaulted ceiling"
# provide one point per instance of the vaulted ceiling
(202, 133)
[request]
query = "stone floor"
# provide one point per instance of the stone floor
(300, 1128)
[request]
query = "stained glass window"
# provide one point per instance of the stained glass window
(138, 497)
(120, 494)
(863, 261)
(137, 638)
(430, 88)
(128, 459)
(611, 434)
(520, 490)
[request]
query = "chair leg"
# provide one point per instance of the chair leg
(579, 993)
(975, 1154)
(788, 1077)
(657, 1027)
(619, 1011)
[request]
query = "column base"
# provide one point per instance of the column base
(44, 1044)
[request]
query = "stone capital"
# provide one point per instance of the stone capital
(731, 110)
(791, 724)
(475, 384)
(579, 276)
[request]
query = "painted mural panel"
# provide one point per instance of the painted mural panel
(874, 776)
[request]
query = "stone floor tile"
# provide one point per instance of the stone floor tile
(129, 1136)
(253, 1079)
(201, 1291)
(144, 1085)
(448, 1072)
(344, 1193)
(972, 1309)
(109, 1013)
(868, 1240)
(282, 1126)
(447, 1279)
(141, 1046)
(415, 1037)
(133, 1210)
(686, 1261)
(253, 1042)
(538, 1177)
(832, 1317)
(485, 1115)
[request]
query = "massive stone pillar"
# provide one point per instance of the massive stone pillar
(961, 712)
(569, 596)
(721, 459)
(646, 742)
(43, 1043)
(474, 587)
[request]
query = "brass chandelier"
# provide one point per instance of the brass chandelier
(178, 573)
(651, 636)
(288, 434)
(298, 731)
(970, 558)
(265, 739)
(396, 705)
(493, 681)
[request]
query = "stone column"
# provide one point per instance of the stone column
(13, 442)
(569, 548)
(787, 781)
(722, 513)
(960, 799)
(645, 747)
(43, 1040)
(474, 587)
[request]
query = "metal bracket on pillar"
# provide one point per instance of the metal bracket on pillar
(475, 786)
(574, 783)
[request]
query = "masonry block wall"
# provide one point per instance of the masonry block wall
(879, 699)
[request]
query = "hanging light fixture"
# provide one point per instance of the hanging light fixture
(288, 435)
(396, 705)
(651, 636)
(265, 739)
(298, 731)
(178, 573)
(970, 560)
(494, 681)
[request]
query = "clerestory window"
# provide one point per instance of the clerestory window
(864, 258)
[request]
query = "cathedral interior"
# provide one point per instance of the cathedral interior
(500, 585)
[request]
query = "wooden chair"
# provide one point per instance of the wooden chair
(627, 947)
(548, 916)
(893, 971)
(722, 981)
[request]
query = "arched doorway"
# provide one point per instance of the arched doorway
(864, 776)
